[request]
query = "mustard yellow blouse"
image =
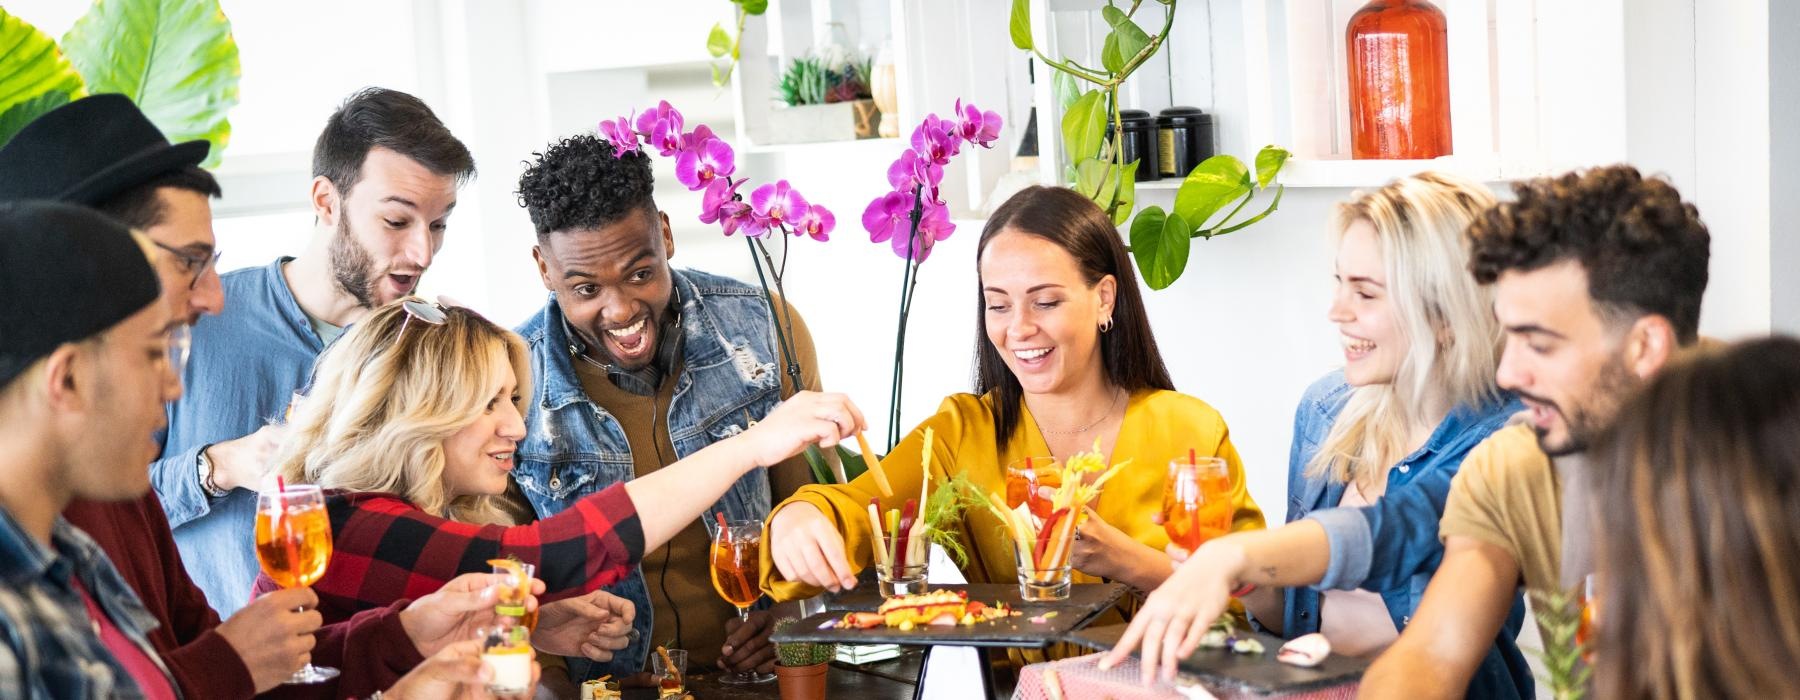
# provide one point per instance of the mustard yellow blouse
(1158, 426)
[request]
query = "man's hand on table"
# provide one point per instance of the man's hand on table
(747, 646)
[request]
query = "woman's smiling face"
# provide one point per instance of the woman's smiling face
(1041, 314)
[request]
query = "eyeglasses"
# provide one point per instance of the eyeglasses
(194, 264)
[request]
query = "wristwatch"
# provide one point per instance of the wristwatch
(205, 467)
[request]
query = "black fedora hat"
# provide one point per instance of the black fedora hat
(89, 150)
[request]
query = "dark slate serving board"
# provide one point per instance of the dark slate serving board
(1084, 602)
(1257, 672)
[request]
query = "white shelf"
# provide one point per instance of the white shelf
(859, 147)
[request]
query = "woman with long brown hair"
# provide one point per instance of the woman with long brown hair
(1698, 593)
(1065, 361)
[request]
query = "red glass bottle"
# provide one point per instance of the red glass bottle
(1399, 80)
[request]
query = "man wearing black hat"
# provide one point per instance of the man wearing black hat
(103, 152)
(86, 364)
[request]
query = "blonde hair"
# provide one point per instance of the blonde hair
(388, 394)
(1452, 338)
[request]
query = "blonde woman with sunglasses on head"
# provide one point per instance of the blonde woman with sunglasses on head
(411, 424)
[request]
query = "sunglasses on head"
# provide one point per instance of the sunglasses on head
(424, 311)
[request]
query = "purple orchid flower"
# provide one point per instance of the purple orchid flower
(887, 216)
(912, 170)
(701, 134)
(720, 200)
(936, 140)
(780, 204)
(934, 226)
(818, 223)
(977, 127)
(619, 133)
(707, 162)
(661, 126)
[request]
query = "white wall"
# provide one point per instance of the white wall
(1244, 329)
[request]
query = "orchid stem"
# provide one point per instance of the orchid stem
(787, 353)
(908, 282)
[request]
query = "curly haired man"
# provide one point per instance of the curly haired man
(640, 364)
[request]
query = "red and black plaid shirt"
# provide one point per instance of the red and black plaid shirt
(384, 549)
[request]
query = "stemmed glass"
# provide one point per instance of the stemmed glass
(736, 565)
(293, 543)
(1197, 501)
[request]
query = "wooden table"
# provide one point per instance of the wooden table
(894, 679)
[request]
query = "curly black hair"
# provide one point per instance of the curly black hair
(577, 184)
(1643, 248)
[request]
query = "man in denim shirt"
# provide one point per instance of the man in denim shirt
(86, 362)
(385, 177)
(639, 365)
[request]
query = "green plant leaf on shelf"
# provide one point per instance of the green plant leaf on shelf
(1020, 24)
(854, 466)
(32, 70)
(1268, 162)
(1127, 194)
(1064, 90)
(1161, 243)
(1091, 176)
(753, 7)
(718, 42)
(1124, 42)
(1084, 125)
(175, 58)
(1214, 183)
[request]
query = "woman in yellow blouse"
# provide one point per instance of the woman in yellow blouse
(1065, 359)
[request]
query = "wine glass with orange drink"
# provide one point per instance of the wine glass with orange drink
(736, 566)
(1025, 480)
(1196, 501)
(293, 543)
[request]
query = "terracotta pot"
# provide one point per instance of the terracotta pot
(801, 682)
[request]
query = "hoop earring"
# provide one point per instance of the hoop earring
(1106, 325)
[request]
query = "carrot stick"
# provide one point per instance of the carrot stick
(869, 458)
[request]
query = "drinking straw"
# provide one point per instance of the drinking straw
(869, 458)
(286, 526)
(1192, 460)
(725, 538)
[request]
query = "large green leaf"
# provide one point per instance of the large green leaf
(1214, 183)
(1064, 89)
(1127, 197)
(1160, 243)
(1020, 24)
(1090, 175)
(1268, 162)
(31, 68)
(753, 7)
(174, 58)
(1083, 126)
(1123, 43)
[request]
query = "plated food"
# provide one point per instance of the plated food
(939, 608)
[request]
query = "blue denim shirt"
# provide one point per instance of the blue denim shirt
(48, 646)
(245, 365)
(1407, 513)
(730, 379)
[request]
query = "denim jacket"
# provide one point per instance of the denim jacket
(573, 447)
(242, 373)
(1409, 510)
(48, 646)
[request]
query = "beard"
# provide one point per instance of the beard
(352, 266)
(1595, 413)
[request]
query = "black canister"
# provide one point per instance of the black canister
(1185, 137)
(1139, 142)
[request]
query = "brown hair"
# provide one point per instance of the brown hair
(1128, 353)
(390, 119)
(1699, 536)
(1644, 250)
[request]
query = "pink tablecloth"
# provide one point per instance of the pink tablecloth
(1079, 677)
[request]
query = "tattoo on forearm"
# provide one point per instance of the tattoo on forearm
(1268, 573)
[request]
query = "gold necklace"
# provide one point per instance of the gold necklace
(1085, 428)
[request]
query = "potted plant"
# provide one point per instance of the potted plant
(826, 100)
(800, 666)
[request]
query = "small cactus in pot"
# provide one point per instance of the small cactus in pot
(800, 666)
